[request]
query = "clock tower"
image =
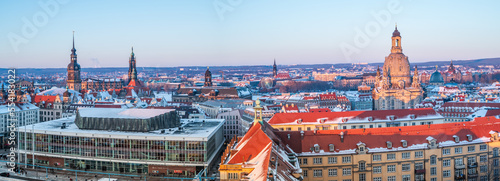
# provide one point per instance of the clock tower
(74, 81)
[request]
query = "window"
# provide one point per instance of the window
(318, 173)
(391, 178)
(446, 173)
(495, 162)
(332, 160)
(483, 168)
(406, 177)
(434, 179)
(446, 151)
(300, 161)
(405, 167)
(391, 168)
(471, 160)
(304, 161)
(495, 152)
(362, 166)
(377, 179)
(362, 177)
(405, 155)
(304, 172)
(377, 169)
(419, 154)
(332, 172)
(377, 157)
(483, 178)
(346, 159)
(317, 161)
(446, 163)
(433, 160)
(482, 147)
(458, 150)
(471, 148)
(391, 156)
(433, 171)
(346, 171)
(459, 161)
(483, 158)
(232, 175)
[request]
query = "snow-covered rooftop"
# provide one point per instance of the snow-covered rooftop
(121, 113)
(191, 129)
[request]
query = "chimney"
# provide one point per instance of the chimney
(342, 136)
(233, 151)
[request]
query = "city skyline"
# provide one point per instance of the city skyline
(215, 33)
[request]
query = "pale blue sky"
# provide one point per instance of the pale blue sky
(250, 32)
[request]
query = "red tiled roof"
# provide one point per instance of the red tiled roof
(312, 117)
(328, 96)
(283, 76)
(470, 104)
(492, 112)
(107, 106)
(134, 83)
(377, 137)
(254, 142)
(45, 98)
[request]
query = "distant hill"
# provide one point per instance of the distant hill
(471, 63)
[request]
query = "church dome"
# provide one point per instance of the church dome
(396, 33)
(436, 77)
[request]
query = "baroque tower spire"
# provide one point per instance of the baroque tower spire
(275, 69)
(396, 41)
(73, 81)
(132, 72)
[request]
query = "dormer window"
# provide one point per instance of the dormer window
(332, 147)
(389, 144)
(494, 135)
(344, 120)
(412, 116)
(316, 148)
(361, 148)
(457, 139)
(432, 142)
(469, 137)
(404, 143)
(392, 117)
(299, 121)
(370, 118)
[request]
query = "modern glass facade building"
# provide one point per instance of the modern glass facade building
(180, 152)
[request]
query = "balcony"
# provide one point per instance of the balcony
(459, 166)
(420, 171)
(473, 175)
(472, 165)
(460, 177)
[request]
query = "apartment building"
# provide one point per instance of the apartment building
(354, 119)
(449, 151)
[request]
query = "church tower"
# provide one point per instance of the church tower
(132, 72)
(396, 88)
(275, 69)
(74, 81)
(208, 78)
(398, 63)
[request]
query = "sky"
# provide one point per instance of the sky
(38, 34)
